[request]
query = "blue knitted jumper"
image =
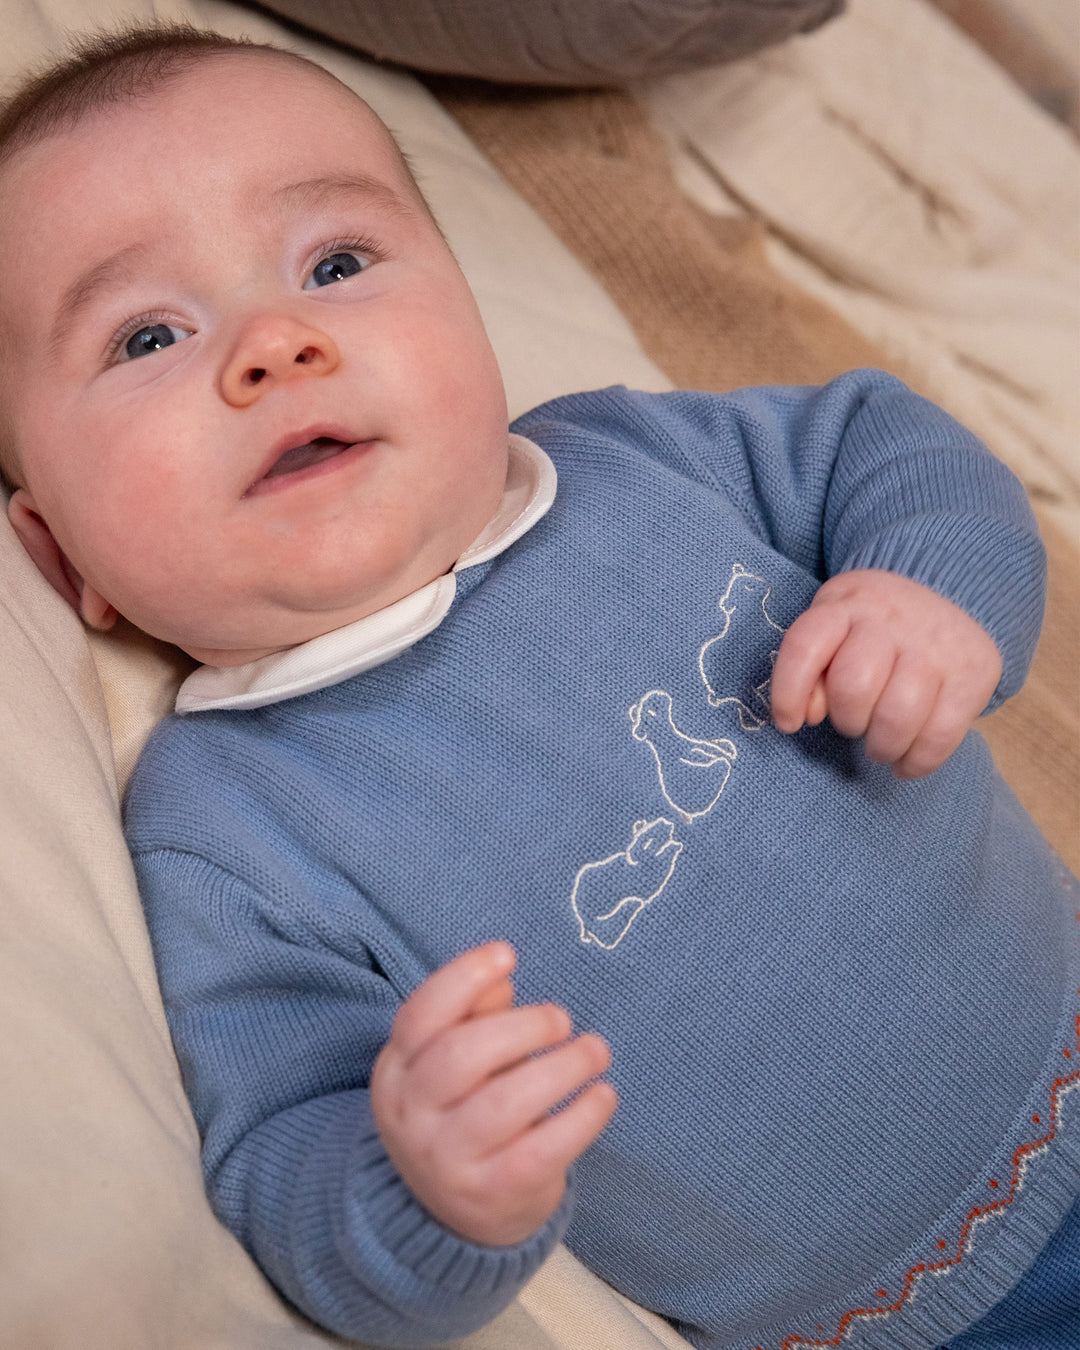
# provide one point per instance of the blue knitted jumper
(843, 1008)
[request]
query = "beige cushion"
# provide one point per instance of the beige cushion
(106, 1238)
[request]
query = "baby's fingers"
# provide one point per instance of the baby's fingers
(902, 711)
(513, 1101)
(476, 981)
(516, 1188)
(818, 707)
(795, 693)
(939, 736)
(553, 1144)
(457, 1062)
(857, 677)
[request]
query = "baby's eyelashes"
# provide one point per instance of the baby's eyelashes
(342, 258)
(143, 337)
(149, 333)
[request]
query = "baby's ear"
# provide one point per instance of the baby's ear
(53, 564)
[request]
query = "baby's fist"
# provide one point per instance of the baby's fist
(886, 658)
(470, 1099)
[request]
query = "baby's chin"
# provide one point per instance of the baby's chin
(292, 629)
(239, 649)
(228, 657)
(245, 649)
(310, 601)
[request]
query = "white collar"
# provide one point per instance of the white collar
(379, 637)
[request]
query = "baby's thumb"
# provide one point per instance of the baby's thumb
(817, 705)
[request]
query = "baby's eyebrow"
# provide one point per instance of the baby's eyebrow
(329, 188)
(88, 284)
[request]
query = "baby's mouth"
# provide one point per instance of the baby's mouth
(294, 460)
(304, 456)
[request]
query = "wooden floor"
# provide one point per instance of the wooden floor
(1048, 70)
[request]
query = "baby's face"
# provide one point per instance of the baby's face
(251, 393)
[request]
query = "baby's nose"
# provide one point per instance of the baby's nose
(307, 356)
(271, 350)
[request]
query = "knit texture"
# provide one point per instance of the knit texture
(559, 41)
(710, 310)
(843, 1009)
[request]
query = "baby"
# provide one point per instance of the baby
(682, 729)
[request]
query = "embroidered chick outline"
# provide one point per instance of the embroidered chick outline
(744, 599)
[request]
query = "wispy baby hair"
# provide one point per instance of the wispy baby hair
(121, 65)
(112, 66)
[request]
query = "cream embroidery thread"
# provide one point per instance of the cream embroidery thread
(610, 894)
(743, 600)
(692, 771)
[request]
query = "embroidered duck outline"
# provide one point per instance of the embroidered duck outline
(692, 772)
(609, 895)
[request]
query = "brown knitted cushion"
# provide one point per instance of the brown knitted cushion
(567, 42)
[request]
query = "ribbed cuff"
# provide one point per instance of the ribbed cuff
(335, 1227)
(948, 553)
(416, 1242)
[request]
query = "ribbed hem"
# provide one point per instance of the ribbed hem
(965, 1293)
(933, 1292)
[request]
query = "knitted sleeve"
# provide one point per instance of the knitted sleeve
(860, 472)
(276, 1034)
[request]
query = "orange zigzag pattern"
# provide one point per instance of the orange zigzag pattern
(1059, 1087)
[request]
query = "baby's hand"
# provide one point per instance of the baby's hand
(888, 659)
(463, 1099)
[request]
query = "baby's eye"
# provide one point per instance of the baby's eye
(151, 338)
(335, 267)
